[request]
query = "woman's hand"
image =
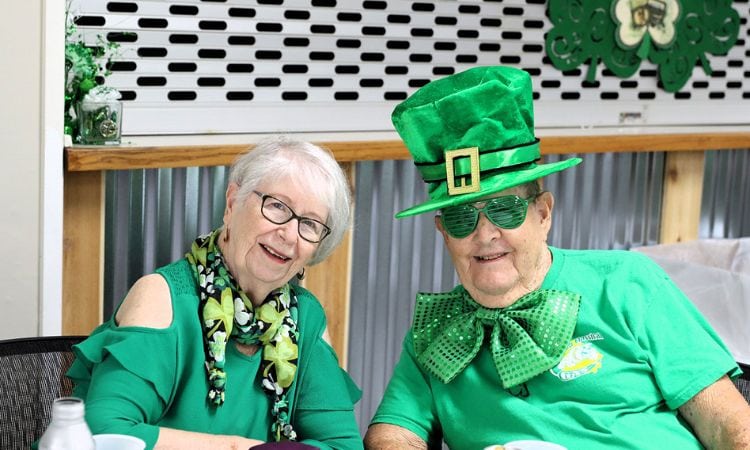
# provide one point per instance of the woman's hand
(252, 442)
(171, 439)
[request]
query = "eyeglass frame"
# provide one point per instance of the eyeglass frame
(528, 200)
(264, 197)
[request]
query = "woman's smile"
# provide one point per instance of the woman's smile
(274, 254)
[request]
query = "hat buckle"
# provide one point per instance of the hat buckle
(466, 183)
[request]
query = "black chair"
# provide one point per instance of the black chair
(743, 382)
(32, 376)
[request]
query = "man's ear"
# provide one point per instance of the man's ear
(544, 205)
(441, 228)
(439, 225)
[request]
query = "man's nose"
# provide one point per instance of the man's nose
(485, 228)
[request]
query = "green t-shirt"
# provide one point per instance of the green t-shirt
(640, 350)
(135, 380)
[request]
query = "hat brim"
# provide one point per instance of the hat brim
(489, 185)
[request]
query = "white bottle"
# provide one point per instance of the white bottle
(68, 429)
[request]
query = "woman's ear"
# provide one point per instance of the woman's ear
(231, 197)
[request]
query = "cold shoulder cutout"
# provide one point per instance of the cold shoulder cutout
(148, 304)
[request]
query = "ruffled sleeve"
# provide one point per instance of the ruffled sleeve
(126, 376)
(323, 413)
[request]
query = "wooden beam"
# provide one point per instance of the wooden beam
(681, 198)
(124, 157)
(616, 143)
(330, 282)
(83, 252)
(84, 158)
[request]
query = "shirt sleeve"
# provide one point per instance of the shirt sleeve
(324, 411)
(408, 400)
(685, 352)
(126, 377)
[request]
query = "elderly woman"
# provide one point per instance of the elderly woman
(537, 342)
(219, 350)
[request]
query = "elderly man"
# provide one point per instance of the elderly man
(586, 349)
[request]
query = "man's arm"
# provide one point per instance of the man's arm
(720, 416)
(383, 436)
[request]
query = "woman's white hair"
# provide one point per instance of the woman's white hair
(313, 167)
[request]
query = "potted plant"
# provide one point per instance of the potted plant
(86, 68)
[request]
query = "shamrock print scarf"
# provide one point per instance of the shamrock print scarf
(227, 312)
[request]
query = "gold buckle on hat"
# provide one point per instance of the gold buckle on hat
(467, 183)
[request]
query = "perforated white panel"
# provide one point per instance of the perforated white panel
(217, 66)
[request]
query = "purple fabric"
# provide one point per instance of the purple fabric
(287, 445)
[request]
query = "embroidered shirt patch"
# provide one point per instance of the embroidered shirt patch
(580, 358)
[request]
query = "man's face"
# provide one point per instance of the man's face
(499, 266)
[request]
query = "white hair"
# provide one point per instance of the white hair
(311, 166)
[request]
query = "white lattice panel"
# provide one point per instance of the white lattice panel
(215, 66)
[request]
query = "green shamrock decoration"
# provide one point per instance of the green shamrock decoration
(673, 34)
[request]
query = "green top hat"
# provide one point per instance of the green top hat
(472, 134)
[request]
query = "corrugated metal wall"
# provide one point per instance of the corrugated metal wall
(726, 195)
(608, 201)
(152, 216)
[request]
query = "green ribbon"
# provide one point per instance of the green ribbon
(526, 338)
(490, 160)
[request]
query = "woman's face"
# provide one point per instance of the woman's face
(262, 255)
(498, 266)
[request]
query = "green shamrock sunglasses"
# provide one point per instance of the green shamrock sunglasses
(506, 212)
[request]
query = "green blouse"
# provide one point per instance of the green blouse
(135, 379)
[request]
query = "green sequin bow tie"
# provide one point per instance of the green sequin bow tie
(526, 338)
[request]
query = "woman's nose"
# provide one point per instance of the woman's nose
(288, 231)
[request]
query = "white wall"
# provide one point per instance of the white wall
(31, 247)
(20, 123)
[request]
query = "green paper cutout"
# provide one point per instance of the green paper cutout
(644, 47)
(588, 31)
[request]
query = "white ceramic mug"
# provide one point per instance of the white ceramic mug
(527, 445)
(118, 442)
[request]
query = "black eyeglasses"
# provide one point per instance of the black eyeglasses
(507, 212)
(278, 212)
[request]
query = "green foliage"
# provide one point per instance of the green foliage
(85, 67)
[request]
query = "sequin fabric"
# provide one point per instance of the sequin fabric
(525, 339)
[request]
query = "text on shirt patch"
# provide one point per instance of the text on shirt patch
(580, 358)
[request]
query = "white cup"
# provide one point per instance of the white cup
(118, 442)
(532, 445)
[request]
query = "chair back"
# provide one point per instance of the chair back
(32, 376)
(743, 381)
